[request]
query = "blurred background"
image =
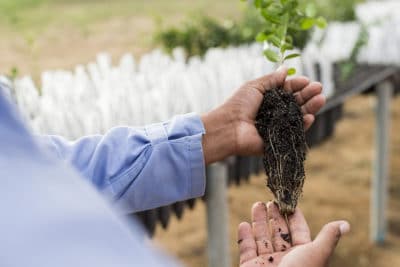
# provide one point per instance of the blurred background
(114, 61)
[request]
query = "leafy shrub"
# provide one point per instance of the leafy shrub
(197, 35)
(334, 10)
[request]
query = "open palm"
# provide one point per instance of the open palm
(271, 241)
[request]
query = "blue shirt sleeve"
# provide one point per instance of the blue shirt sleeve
(140, 168)
(50, 216)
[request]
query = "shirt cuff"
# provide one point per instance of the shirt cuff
(197, 167)
(188, 127)
(195, 127)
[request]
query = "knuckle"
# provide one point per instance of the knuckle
(247, 246)
(317, 84)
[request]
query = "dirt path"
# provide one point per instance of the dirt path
(337, 186)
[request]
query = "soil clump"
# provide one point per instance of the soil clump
(280, 123)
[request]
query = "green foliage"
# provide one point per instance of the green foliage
(10, 10)
(14, 73)
(338, 10)
(282, 20)
(291, 71)
(199, 34)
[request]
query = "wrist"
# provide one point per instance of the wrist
(219, 140)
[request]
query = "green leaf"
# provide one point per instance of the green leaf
(291, 71)
(292, 56)
(289, 6)
(271, 55)
(280, 32)
(270, 17)
(261, 37)
(286, 46)
(307, 23)
(257, 3)
(274, 40)
(311, 10)
(267, 3)
(321, 22)
(275, 9)
(289, 39)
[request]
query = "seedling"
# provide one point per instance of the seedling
(280, 120)
(284, 18)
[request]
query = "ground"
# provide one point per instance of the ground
(337, 187)
(49, 34)
(45, 34)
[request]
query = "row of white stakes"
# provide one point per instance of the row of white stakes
(93, 98)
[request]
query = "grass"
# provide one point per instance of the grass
(47, 34)
(37, 15)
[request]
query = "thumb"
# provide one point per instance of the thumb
(329, 236)
(271, 81)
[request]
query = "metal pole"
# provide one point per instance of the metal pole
(381, 165)
(217, 216)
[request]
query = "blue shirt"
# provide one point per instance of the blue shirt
(53, 217)
(140, 168)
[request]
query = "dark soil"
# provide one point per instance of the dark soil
(280, 123)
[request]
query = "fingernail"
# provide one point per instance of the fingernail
(344, 228)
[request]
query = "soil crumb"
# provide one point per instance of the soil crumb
(280, 123)
(287, 238)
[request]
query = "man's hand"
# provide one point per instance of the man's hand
(230, 128)
(270, 241)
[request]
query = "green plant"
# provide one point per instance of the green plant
(334, 10)
(198, 34)
(283, 19)
(14, 72)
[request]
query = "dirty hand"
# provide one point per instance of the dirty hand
(269, 241)
(230, 128)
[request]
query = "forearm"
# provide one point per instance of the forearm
(219, 141)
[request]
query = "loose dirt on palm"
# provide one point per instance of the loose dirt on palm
(339, 171)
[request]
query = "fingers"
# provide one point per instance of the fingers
(329, 236)
(247, 244)
(307, 92)
(270, 81)
(308, 121)
(308, 95)
(313, 105)
(280, 232)
(298, 228)
(261, 228)
(296, 84)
